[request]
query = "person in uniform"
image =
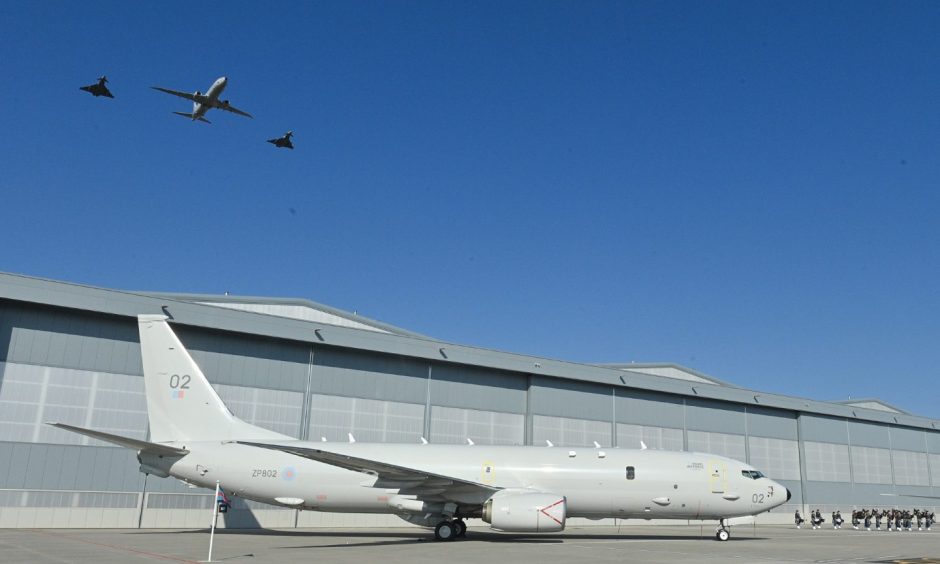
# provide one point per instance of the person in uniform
(797, 518)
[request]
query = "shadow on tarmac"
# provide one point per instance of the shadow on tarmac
(407, 537)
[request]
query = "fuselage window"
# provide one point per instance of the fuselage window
(631, 472)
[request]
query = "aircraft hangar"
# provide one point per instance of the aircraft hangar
(70, 353)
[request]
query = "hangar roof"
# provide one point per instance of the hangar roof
(189, 312)
(668, 370)
(873, 403)
(293, 308)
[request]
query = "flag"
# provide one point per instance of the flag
(222, 498)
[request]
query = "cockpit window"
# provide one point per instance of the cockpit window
(752, 474)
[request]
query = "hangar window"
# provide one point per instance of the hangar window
(631, 472)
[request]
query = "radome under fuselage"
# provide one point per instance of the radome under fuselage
(665, 485)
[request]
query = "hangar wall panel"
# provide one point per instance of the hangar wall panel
(933, 442)
(577, 400)
(827, 462)
(935, 470)
(908, 439)
(568, 431)
(871, 465)
(369, 420)
(823, 429)
(649, 408)
(277, 410)
(725, 444)
(910, 468)
(869, 435)
(707, 415)
(657, 438)
(363, 374)
(55, 337)
(239, 360)
(776, 458)
(31, 395)
(771, 423)
(454, 425)
(477, 388)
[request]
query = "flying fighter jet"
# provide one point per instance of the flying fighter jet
(283, 142)
(196, 439)
(202, 103)
(98, 89)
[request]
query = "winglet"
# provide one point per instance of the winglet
(549, 443)
(470, 441)
(352, 439)
(642, 445)
(424, 441)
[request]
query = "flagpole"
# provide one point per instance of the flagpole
(215, 515)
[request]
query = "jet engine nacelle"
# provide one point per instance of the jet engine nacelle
(526, 512)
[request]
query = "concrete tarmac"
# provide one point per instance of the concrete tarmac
(647, 544)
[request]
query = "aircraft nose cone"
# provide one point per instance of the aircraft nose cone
(789, 494)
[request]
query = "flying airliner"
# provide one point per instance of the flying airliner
(202, 103)
(196, 439)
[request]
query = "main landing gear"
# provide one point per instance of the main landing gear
(450, 530)
(721, 533)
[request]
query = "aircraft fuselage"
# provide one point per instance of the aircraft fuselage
(596, 482)
(205, 102)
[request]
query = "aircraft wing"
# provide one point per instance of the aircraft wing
(425, 485)
(189, 96)
(125, 442)
(234, 110)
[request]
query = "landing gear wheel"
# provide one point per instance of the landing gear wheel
(445, 531)
(460, 528)
(722, 535)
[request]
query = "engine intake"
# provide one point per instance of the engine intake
(526, 512)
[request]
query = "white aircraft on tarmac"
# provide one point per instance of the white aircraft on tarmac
(202, 103)
(196, 439)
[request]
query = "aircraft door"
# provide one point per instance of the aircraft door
(718, 476)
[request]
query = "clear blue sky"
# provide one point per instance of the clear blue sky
(749, 189)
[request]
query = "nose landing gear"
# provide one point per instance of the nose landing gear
(721, 533)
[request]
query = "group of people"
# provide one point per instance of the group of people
(895, 519)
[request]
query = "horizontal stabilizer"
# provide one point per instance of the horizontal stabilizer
(192, 117)
(124, 441)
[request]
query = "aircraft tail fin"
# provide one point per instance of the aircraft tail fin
(192, 117)
(181, 404)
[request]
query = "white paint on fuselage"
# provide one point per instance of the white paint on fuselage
(211, 98)
(595, 487)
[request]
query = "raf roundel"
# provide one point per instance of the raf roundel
(288, 474)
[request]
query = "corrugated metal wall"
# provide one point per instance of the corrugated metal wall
(84, 368)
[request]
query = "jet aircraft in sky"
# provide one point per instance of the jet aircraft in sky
(202, 103)
(99, 88)
(195, 438)
(283, 142)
